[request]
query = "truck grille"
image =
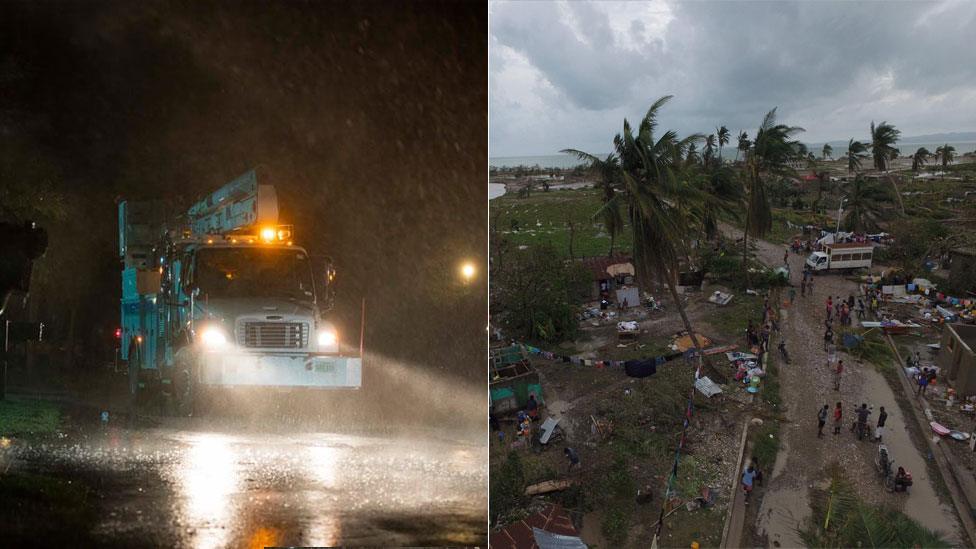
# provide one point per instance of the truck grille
(276, 335)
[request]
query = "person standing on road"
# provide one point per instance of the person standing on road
(810, 286)
(862, 421)
(822, 420)
(879, 430)
(786, 257)
(828, 338)
(748, 477)
(923, 382)
(838, 372)
(792, 295)
(838, 417)
(860, 309)
(803, 286)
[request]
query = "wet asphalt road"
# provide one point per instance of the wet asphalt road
(190, 483)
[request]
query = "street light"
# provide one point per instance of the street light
(467, 271)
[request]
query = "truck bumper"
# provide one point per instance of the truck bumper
(256, 370)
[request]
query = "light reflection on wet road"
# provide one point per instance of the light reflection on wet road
(185, 486)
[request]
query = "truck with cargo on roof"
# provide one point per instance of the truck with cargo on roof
(841, 256)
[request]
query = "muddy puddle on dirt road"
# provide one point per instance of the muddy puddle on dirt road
(787, 507)
(192, 487)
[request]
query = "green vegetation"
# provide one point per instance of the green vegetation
(23, 417)
(538, 293)
(507, 489)
(840, 519)
(766, 443)
(620, 489)
(873, 347)
(544, 218)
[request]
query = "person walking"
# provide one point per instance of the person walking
(838, 417)
(828, 338)
(822, 420)
(803, 286)
(830, 307)
(810, 286)
(748, 478)
(923, 382)
(838, 373)
(786, 257)
(879, 429)
(860, 309)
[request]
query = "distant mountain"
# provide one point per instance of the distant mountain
(928, 139)
(951, 137)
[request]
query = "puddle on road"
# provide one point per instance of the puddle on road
(923, 503)
(783, 509)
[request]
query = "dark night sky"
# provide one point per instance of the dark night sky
(371, 120)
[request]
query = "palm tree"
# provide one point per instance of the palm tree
(723, 139)
(772, 153)
(827, 151)
(883, 138)
(856, 151)
(709, 151)
(944, 153)
(865, 204)
(743, 146)
(608, 170)
(692, 157)
(919, 158)
(657, 204)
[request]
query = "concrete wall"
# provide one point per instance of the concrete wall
(957, 357)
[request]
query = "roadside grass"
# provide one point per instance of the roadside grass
(730, 321)
(46, 510)
(28, 417)
(544, 217)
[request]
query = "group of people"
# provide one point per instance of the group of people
(842, 309)
(860, 424)
(806, 283)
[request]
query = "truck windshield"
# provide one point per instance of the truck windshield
(253, 272)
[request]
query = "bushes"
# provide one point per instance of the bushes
(507, 488)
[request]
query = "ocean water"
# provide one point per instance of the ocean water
(564, 161)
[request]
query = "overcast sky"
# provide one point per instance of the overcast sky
(566, 74)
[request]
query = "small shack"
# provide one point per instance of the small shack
(962, 269)
(957, 357)
(511, 379)
(609, 274)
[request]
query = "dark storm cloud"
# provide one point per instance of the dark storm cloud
(830, 67)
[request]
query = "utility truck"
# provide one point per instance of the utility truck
(220, 297)
(840, 256)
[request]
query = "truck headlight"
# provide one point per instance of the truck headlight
(328, 339)
(213, 337)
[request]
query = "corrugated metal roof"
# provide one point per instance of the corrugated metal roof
(519, 535)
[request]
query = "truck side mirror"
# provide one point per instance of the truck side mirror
(325, 273)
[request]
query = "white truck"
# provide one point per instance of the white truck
(834, 257)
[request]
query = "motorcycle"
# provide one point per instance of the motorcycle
(885, 466)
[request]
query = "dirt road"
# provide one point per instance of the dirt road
(806, 386)
(193, 483)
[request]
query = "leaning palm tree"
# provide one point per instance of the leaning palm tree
(657, 204)
(723, 139)
(945, 155)
(865, 204)
(919, 158)
(856, 151)
(743, 144)
(883, 138)
(827, 151)
(608, 170)
(709, 152)
(771, 154)
(692, 157)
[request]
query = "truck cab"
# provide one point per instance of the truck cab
(817, 261)
(223, 298)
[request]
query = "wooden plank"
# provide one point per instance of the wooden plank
(548, 486)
